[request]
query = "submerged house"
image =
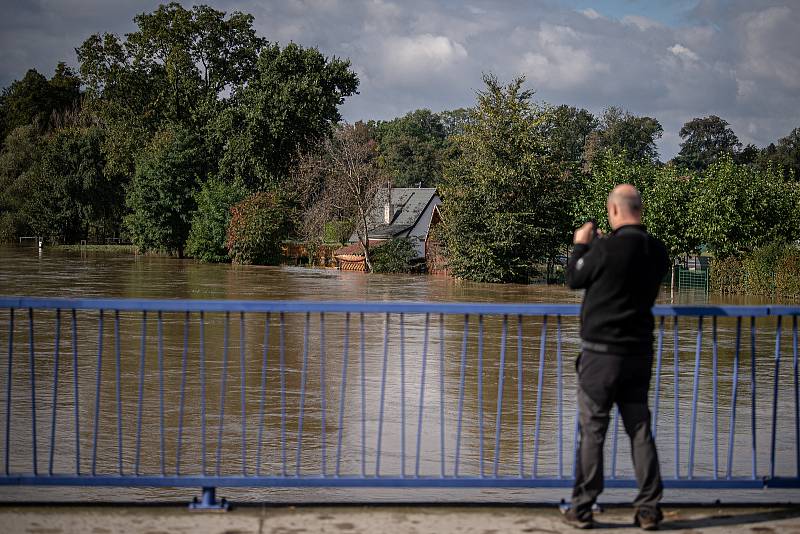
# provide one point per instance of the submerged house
(397, 212)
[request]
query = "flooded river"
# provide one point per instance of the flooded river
(264, 422)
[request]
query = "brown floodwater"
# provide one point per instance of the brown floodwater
(299, 430)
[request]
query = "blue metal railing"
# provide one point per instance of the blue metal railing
(330, 393)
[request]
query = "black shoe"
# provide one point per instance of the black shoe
(647, 520)
(572, 519)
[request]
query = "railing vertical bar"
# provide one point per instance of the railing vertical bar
(222, 389)
(345, 355)
(695, 392)
(118, 390)
(203, 393)
(714, 392)
(33, 389)
(75, 390)
(796, 399)
(243, 388)
(282, 373)
(462, 377)
(8, 391)
(775, 397)
(161, 391)
(500, 385)
(402, 396)
(753, 395)
(520, 412)
(383, 394)
(480, 392)
(56, 358)
(97, 391)
(539, 392)
(362, 351)
(262, 400)
(734, 392)
(441, 395)
(559, 399)
(422, 391)
(676, 375)
(141, 394)
(182, 393)
(303, 379)
(614, 442)
(657, 389)
(323, 395)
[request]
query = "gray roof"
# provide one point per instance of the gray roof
(408, 202)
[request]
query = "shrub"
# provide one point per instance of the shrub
(787, 276)
(210, 222)
(337, 231)
(393, 256)
(258, 225)
(772, 270)
(726, 275)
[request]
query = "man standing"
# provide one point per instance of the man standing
(621, 274)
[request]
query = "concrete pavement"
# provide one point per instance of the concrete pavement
(477, 519)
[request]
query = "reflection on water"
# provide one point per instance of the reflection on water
(456, 424)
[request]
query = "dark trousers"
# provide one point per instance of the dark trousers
(605, 379)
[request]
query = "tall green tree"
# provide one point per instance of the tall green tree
(206, 240)
(34, 98)
(738, 208)
(412, 148)
(18, 158)
(706, 140)
(621, 132)
(785, 155)
(503, 204)
(291, 103)
(567, 130)
(161, 198)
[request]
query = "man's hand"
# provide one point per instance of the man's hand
(584, 234)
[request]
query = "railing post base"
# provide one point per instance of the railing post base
(208, 501)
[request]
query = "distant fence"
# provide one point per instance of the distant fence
(165, 393)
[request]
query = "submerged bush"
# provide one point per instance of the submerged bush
(393, 256)
(772, 270)
(258, 225)
(210, 222)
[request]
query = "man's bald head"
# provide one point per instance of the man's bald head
(624, 206)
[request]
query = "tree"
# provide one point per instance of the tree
(289, 104)
(342, 180)
(412, 148)
(567, 130)
(738, 208)
(34, 99)
(257, 226)
(621, 132)
(504, 206)
(785, 155)
(161, 197)
(705, 140)
(206, 240)
(19, 156)
(178, 67)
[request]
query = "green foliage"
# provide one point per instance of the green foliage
(567, 130)
(608, 170)
(206, 240)
(393, 256)
(290, 103)
(623, 133)
(785, 155)
(412, 148)
(738, 208)
(258, 225)
(504, 206)
(70, 197)
(162, 194)
(34, 99)
(337, 231)
(18, 158)
(772, 270)
(667, 202)
(705, 140)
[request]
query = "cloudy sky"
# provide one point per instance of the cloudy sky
(739, 59)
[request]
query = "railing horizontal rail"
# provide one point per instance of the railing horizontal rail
(140, 392)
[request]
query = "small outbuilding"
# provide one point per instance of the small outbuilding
(397, 212)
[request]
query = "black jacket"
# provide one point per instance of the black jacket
(621, 273)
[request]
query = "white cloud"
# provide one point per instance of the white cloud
(643, 23)
(590, 13)
(683, 52)
(408, 58)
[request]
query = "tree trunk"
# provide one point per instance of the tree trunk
(672, 281)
